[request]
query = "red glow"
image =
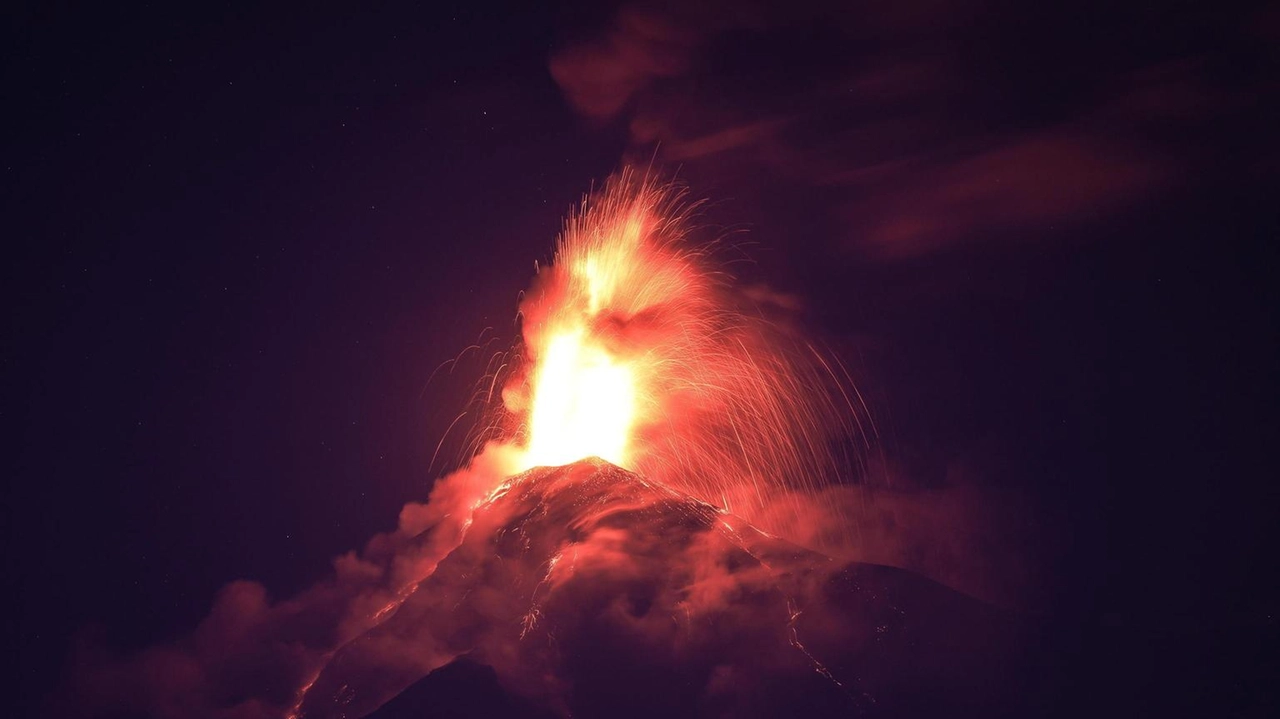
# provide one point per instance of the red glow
(641, 352)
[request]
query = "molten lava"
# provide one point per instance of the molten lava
(585, 394)
(584, 403)
(639, 350)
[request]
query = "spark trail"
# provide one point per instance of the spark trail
(640, 350)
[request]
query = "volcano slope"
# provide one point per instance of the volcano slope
(587, 591)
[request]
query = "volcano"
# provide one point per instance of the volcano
(587, 590)
(657, 577)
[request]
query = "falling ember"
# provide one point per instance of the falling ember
(640, 351)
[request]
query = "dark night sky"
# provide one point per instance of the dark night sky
(240, 242)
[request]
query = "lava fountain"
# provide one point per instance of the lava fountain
(638, 349)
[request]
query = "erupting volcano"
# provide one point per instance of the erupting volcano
(653, 525)
(615, 548)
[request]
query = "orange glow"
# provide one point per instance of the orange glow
(584, 403)
(639, 350)
(584, 395)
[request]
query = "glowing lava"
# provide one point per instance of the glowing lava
(592, 388)
(638, 349)
(584, 403)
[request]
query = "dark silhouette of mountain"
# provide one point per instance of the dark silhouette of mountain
(462, 689)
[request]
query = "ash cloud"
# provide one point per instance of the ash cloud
(910, 123)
